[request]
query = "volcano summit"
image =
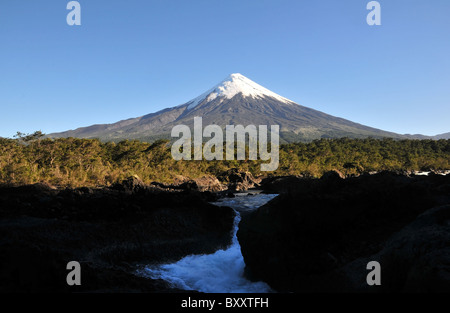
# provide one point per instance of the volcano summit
(236, 100)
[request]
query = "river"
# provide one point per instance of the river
(220, 272)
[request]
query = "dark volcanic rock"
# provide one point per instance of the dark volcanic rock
(303, 239)
(335, 174)
(416, 259)
(132, 184)
(209, 183)
(108, 231)
(280, 184)
(205, 183)
(202, 184)
(239, 181)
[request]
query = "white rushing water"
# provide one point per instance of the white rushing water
(423, 173)
(220, 272)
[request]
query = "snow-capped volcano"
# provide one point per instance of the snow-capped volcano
(236, 100)
(233, 85)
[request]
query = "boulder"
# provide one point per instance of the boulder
(132, 184)
(333, 175)
(280, 184)
(180, 179)
(209, 183)
(202, 184)
(239, 181)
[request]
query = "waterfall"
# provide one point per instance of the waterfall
(220, 272)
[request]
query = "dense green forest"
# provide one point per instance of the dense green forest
(90, 162)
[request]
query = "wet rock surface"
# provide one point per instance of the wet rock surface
(107, 230)
(319, 234)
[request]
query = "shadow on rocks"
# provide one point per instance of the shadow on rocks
(108, 230)
(306, 239)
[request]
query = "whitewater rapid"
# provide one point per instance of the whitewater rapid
(220, 272)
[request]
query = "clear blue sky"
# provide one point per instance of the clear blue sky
(134, 57)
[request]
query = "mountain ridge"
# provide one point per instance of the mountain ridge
(236, 100)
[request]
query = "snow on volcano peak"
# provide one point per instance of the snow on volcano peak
(233, 85)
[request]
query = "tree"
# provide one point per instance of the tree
(29, 137)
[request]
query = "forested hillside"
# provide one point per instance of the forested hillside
(89, 162)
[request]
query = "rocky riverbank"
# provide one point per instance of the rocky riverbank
(319, 234)
(107, 230)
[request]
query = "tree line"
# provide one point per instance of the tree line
(74, 162)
